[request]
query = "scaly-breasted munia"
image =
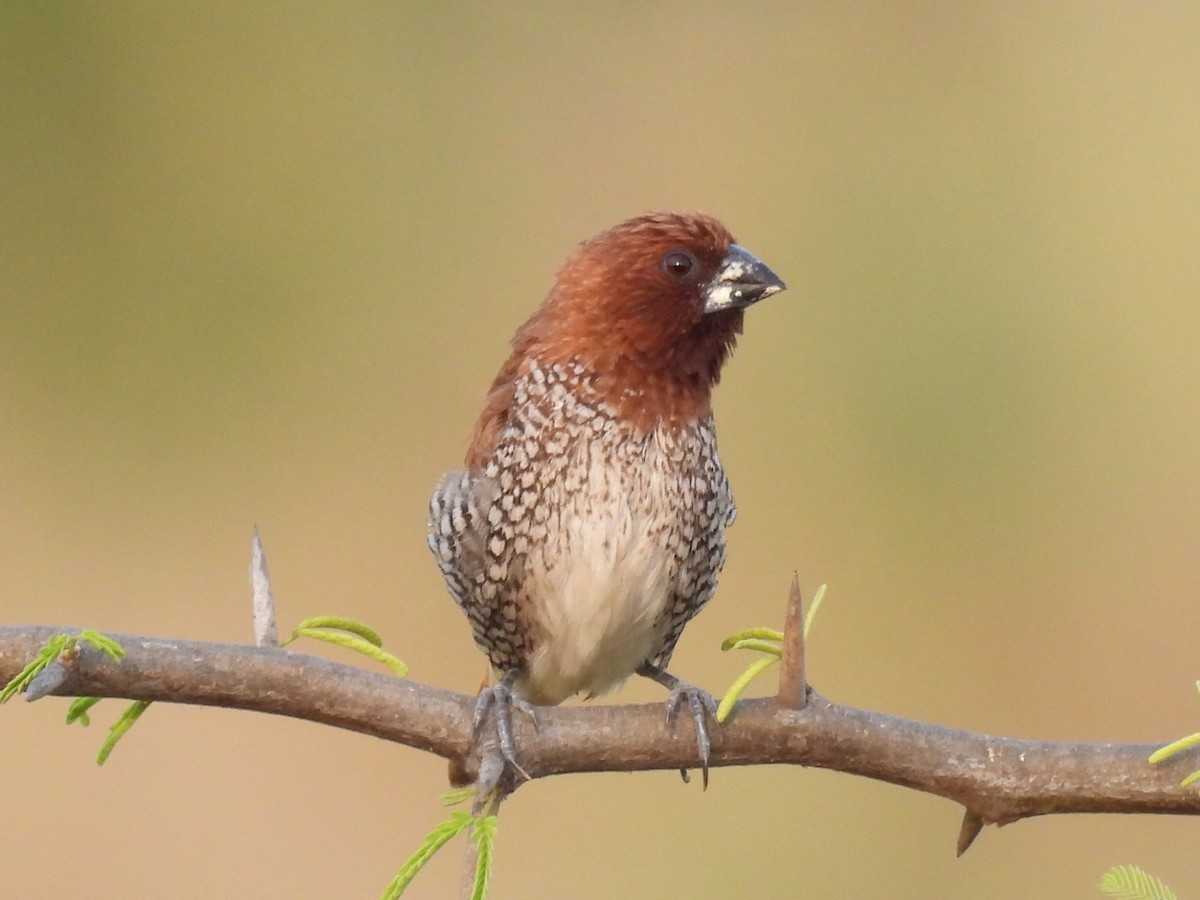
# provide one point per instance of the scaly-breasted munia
(588, 525)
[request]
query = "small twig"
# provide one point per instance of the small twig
(265, 632)
(793, 685)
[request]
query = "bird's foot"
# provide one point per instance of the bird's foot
(701, 704)
(501, 697)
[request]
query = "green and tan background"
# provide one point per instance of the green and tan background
(259, 261)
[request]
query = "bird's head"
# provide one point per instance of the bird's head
(651, 308)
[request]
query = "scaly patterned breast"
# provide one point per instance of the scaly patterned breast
(585, 545)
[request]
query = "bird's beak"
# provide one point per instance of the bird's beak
(742, 279)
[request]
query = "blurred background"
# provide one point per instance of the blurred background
(258, 264)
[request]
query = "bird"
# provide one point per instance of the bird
(587, 526)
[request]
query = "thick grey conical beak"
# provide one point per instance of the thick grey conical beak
(741, 280)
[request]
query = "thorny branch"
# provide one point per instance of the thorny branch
(793, 686)
(998, 780)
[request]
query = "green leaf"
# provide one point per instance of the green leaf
(484, 835)
(351, 634)
(55, 647)
(103, 643)
(736, 689)
(435, 841)
(50, 651)
(763, 640)
(457, 795)
(119, 727)
(768, 634)
(1133, 883)
(769, 647)
(817, 599)
(78, 710)
(341, 623)
(62, 644)
(1184, 743)
(355, 643)
(1176, 747)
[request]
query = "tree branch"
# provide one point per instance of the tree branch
(998, 780)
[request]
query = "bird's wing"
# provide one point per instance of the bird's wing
(458, 514)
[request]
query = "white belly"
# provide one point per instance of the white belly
(601, 579)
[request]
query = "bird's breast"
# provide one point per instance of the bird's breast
(616, 526)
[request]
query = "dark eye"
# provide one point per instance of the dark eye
(679, 264)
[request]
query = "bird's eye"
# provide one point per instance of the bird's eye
(679, 264)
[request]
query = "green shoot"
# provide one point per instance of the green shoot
(1176, 747)
(63, 645)
(49, 653)
(1133, 883)
(484, 835)
(457, 795)
(435, 841)
(482, 827)
(351, 634)
(58, 646)
(78, 710)
(763, 640)
(132, 713)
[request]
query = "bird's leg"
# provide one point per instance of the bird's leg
(502, 697)
(699, 701)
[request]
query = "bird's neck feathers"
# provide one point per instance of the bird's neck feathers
(649, 365)
(627, 325)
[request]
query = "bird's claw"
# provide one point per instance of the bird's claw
(701, 704)
(501, 697)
